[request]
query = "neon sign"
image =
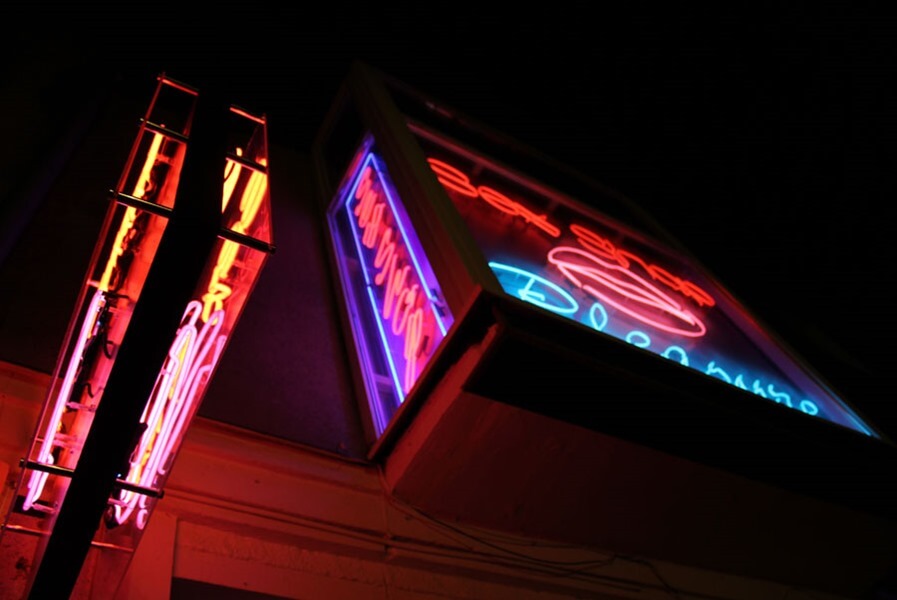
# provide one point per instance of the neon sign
(394, 299)
(551, 252)
(617, 286)
(112, 297)
(134, 228)
(194, 353)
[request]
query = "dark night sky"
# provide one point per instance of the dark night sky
(763, 142)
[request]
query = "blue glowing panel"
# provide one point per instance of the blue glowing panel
(566, 258)
(395, 304)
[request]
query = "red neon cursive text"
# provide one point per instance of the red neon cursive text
(619, 287)
(403, 299)
(603, 247)
(454, 179)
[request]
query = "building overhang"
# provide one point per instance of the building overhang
(560, 435)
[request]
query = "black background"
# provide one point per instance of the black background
(761, 140)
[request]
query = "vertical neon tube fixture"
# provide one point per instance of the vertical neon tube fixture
(138, 217)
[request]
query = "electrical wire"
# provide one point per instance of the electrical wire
(563, 568)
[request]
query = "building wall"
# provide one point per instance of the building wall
(247, 516)
(271, 495)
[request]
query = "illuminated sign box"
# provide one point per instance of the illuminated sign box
(539, 246)
(399, 314)
(563, 257)
(586, 368)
